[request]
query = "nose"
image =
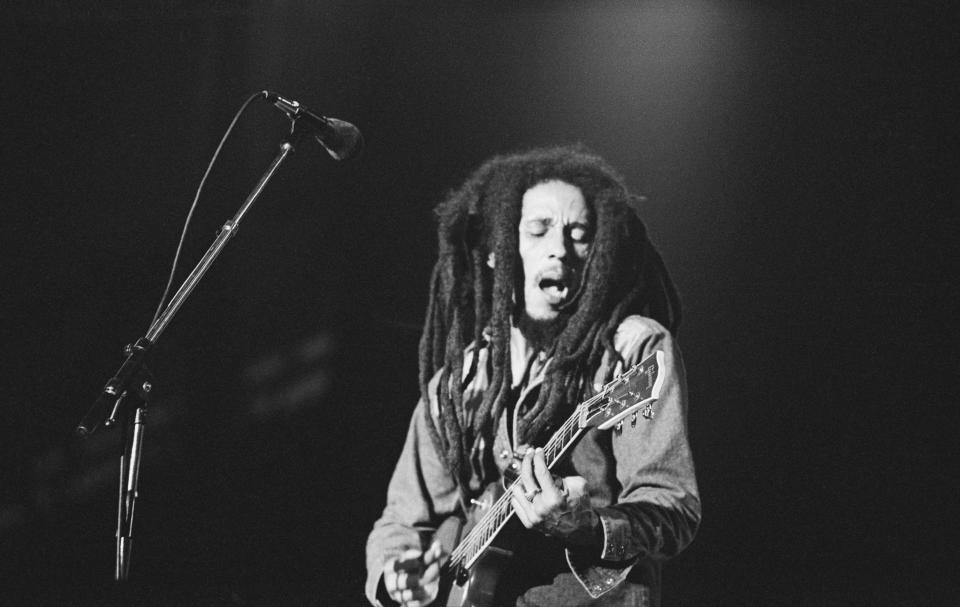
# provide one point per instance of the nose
(556, 244)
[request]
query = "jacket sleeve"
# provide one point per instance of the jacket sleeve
(657, 511)
(421, 492)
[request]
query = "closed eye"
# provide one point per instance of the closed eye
(537, 227)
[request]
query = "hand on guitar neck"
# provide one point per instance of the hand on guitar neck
(558, 507)
(413, 578)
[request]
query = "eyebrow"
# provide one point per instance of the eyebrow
(550, 219)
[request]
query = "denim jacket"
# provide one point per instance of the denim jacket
(640, 482)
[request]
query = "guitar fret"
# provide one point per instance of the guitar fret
(609, 402)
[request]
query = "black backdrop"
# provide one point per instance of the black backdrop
(800, 188)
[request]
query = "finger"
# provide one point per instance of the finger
(576, 487)
(430, 575)
(523, 502)
(409, 561)
(430, 592)
(419, 601)
(390, 576)
(407, 571)
(433, 553)
(411, 598)
(520, 506)
(390, 582)
(526, 472)
(561, 486)
(543, 475)
(393, 592)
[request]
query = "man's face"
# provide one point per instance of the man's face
(554, 238)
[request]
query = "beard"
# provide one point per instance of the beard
(541, 334)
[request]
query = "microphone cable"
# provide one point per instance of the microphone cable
(196, 198)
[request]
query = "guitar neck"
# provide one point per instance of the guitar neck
(631, 392)
(500, 511)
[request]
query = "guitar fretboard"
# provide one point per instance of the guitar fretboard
(610, 402)
(500, 511)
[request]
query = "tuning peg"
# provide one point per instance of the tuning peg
(619, 428)
(647, 412)
(633, 420)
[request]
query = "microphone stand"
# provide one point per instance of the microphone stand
(133, 376)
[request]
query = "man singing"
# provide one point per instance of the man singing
(545, 289)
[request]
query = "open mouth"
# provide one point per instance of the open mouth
(555, 288)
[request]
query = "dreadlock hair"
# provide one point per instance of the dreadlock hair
(472, 302)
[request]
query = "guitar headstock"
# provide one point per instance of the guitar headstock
(631, 391)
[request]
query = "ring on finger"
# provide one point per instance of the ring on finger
(529, 495)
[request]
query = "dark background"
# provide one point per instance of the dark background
(801, 188)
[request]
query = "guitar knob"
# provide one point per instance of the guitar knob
(463, 574)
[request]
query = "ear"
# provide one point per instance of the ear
(491, 260)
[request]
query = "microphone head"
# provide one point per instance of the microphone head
(341, 139)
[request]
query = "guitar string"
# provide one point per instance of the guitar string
(499, 511)
(481, 533)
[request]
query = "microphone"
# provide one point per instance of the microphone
(341, 139)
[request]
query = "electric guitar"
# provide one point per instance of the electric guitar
(469, 577)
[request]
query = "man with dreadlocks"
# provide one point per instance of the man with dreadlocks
(546, 288)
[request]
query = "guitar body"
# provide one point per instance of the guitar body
(481, 585)
(482, 577)
(469, 577)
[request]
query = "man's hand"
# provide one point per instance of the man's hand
(555, 506)
(411, 580)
